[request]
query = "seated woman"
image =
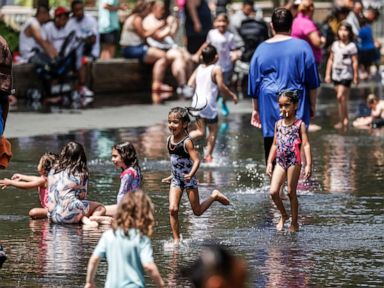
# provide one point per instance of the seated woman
(376, 119)
(179, 58)
(133, 45)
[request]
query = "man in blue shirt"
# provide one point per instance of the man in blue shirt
(281, 63)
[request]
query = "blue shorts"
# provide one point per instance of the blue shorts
(182, 184)
(135, 52)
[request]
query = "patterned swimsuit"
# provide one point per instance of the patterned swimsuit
(181, 164)
(288, 144)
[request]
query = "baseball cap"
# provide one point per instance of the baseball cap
(61, 10)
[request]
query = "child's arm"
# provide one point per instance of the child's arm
(22, 177)
(307, 151)
(194, 157)
(355, 66)
(167, 179)
(192, 79)
(39, 181)
(329, 68)
(153, 272)
(376, 112)
(219, 79)
(91, 271)
(271, 156)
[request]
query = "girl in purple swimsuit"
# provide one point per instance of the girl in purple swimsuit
(290, 135)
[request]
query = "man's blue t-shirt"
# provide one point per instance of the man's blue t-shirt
(278, 66)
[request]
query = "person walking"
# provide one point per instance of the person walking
(281, 63)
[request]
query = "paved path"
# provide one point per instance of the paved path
(25, 124)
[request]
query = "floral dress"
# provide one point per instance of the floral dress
(288, 144)
(66, 197)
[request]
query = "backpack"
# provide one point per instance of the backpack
(253, 32)
(5, 67)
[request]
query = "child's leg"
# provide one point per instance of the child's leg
(278, 178)
(38, 213)
(96, 209)
(341, 98)
(293, 175)
(211, 140)
(200, 129)
(199, 208)
(345, 119)
(110, 210)
(175, 194)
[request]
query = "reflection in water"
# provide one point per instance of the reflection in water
(339, 164)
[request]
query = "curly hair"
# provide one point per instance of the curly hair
(135, 211)
(127, 153)
(47, 161)
(291, 94)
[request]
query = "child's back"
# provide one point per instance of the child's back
(206, 92)
(126, 255)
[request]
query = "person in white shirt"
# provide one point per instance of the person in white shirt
(57, 31)
(86, 28)
(32, 38)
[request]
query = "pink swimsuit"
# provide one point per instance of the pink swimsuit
(288, 144)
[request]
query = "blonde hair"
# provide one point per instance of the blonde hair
(135, 211)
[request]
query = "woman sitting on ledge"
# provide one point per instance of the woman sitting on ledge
(133, 45)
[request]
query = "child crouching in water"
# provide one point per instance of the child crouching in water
(185, 162)
(376, 119)
(290, 135)
(208, 80)
(68, 188)
(22, 181)
(127, 246)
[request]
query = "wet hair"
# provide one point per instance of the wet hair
(184, 113)
(214, 260)
(282, 20)
(208, 54)
(41, 8)
(290, 94)
(347, 26)
(76, 2)
(47, 161)
(72, 158)
(135, 210)
(128, 153)
(222, 15)
(372, 98)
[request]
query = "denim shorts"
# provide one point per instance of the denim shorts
(135, 52)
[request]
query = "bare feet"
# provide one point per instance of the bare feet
(280, 225)
(338, 125)
(218, 196)
(161, 87)
(293, 228)
(91, 224)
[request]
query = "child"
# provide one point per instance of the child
(185, 162)
(208, 79)
(217, 267)
(127, 246)
(376, 120)
(290, 134)
(224, 42)
(40, 182)
(67, 189)
(343, 63)
(124, 157)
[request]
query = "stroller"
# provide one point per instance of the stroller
(58, 76)
(252, 32)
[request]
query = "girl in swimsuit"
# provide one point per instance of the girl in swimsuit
(290, 135)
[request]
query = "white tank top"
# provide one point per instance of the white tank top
(129, 36)
(27, 44)
(206, 92)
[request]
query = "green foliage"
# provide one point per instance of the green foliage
(10, 35)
